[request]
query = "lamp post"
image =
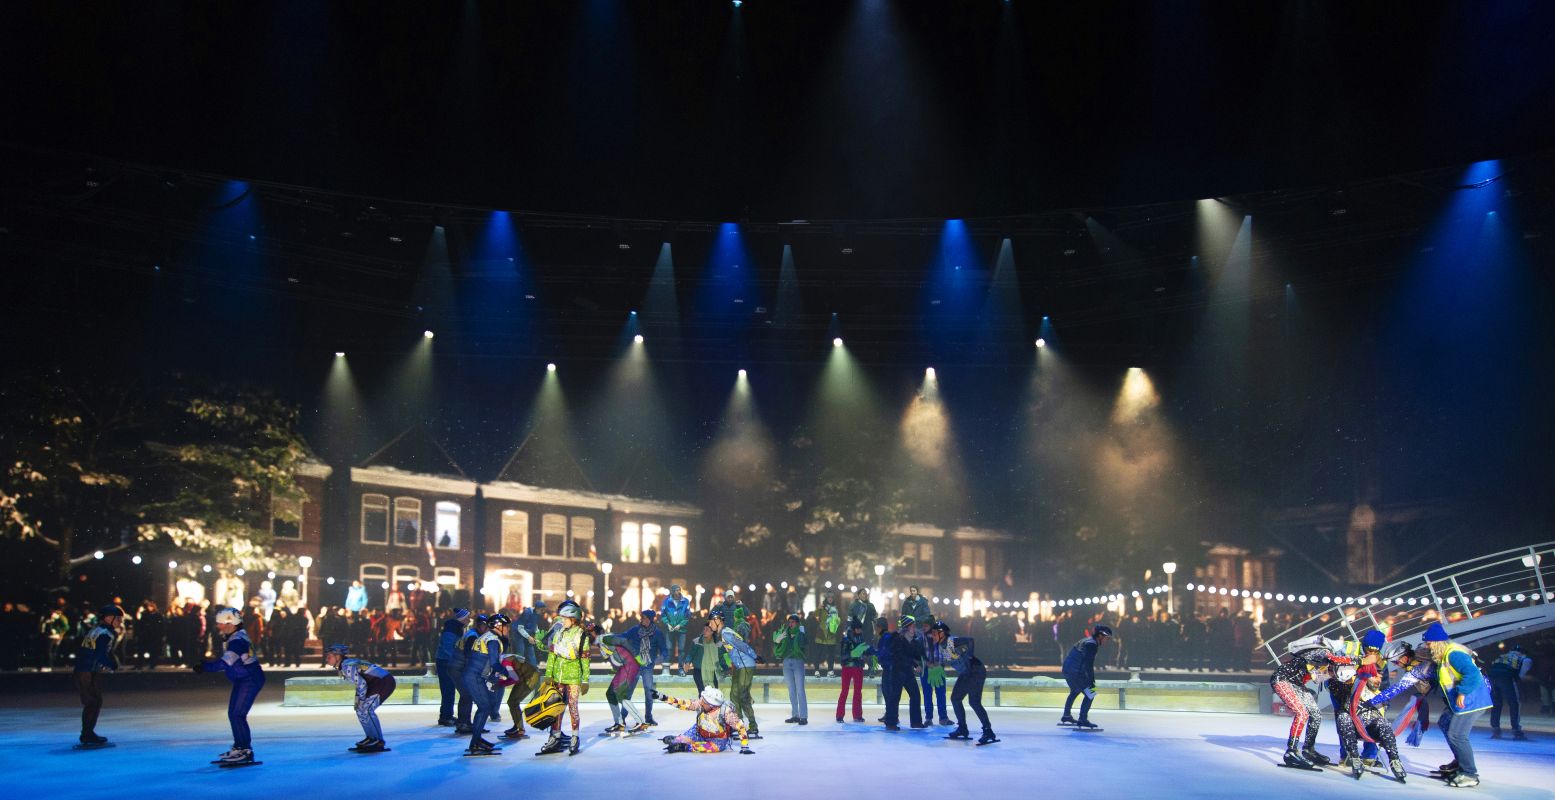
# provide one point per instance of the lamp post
(304, 562)
(879, 580)
(606, 567)
(1169, 568)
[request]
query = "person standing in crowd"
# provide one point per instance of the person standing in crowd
(54, 627)
(788, 647)
(916, 606)
(676, 614)
(742, 662)
(1506, 675)
(707, 659)
(1080, 674)
(900, 660)
(567, 667)
(649, 644)
(449, 664)
(247, 677)
(864, 611)
(828, 628)
(960, 654)
(151, 634)
(854, 654)
(95, 657)
(373, 685)
(932, 681)
(479, 678)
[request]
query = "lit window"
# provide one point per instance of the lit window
(286, 518)
(406, 573)
(375, 519)
(553, 587)
(581, 583)
(583, 537)
(407, 521)
(553, 536)
(651, 545)
(974, 562)
(373, 575)
(448, 525)
(446, 577)
(515, 533)
(677, 545)
(630, 542)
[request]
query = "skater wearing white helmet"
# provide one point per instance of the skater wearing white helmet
(243, 669)
(716, 723)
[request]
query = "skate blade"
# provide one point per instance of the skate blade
(370, 752)
(93, 746)
(990, 741)
(1293, 766)
(1087, 730)
(481, 753)
(235, 764)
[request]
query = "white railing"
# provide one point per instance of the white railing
(1489, 584)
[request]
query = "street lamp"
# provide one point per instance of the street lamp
(879, 578)
(1170, 568)
(606, 568)
(304, 562)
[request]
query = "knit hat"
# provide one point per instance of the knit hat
(1435, 633)
(1374, 640)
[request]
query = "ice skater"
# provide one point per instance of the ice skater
(1373, 720)
(480, 680)
(712, 732)
(618, 651)
(1311, 659)
(906, 659)
(1080, 674)
(456, 664)
(854, 655)
(649, 644)
(1341, 687)
(1465, 691)
(1506, 675)
(521, 679)
(788, 647)
(94, 658)
(566, 646)
(247, 677)
(932, 681)
(742, 665)
(960, 654)
(373, 686)
(449, 662)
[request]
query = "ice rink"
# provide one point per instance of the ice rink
(165, 739)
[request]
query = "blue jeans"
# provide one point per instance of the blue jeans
(793, 676)
(930, 694)
(238, 704)
(1457, 726)
(646, 676)
(677, 641)
(1504, 692)
(486, 700)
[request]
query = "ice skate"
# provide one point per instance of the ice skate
(572, 748)
(987, 738)
(673, 746)
(613, 730)
(446, 723)
(481, 747)
(1461, 781)
(514, 733)
(1356, 770)
(1293, 757)
(1066, 720)
(374, 746)
(1519, 736)
(552, 745)
(641, 727)
(1398, 770)
(1315, 758)
(237, 757)
(1086, 725)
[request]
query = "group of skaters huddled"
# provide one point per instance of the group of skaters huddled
(1357, 675)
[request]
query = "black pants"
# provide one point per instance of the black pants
(91, 690)
(895, 684)
(703, 683)
(1077, 688)
(969, 687)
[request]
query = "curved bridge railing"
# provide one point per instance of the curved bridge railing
(1481, 600)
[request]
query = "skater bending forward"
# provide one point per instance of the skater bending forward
(1080, 674)
(242, 668)
(93, 659)
(1374, 719)
(373, 686)
(716, 723)
(1309, 662)
(959, 653)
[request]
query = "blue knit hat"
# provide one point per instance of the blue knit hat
(1374, 640)
(1435, 633)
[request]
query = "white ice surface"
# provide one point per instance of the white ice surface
(164, 742)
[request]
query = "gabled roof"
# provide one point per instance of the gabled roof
(415, 450)
(545, 459)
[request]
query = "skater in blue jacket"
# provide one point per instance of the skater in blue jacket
(1080, 674)
(247, 676)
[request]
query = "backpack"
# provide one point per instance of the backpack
(1313, 642)
(547, 706)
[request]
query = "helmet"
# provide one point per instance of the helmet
(497, 619)
(712, 696)
(1101, 630)
(796, 617)
(905, 621)
(337, 649)
(229, 616)
(482, 619)
(717, 614)
(1395, 651)
(109, 611)
(569, 610)
(941, 627)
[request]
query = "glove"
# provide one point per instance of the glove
(860, 650)
(661, 697)
(583, 691)
(936, 676)
(746, 751)
(760, 660)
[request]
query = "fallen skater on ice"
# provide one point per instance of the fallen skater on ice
(716, 722)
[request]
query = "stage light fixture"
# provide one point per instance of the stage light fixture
(98, 555)
(340, 354)
(837, 342)
(1041, 342)
(135, 560)
(928, 374)
(426, 334)
(742, 374)
(638, 338)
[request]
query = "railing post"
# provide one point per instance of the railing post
(1462, 601)
(1374, 625)
(1538, 574)
(1430, 587)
